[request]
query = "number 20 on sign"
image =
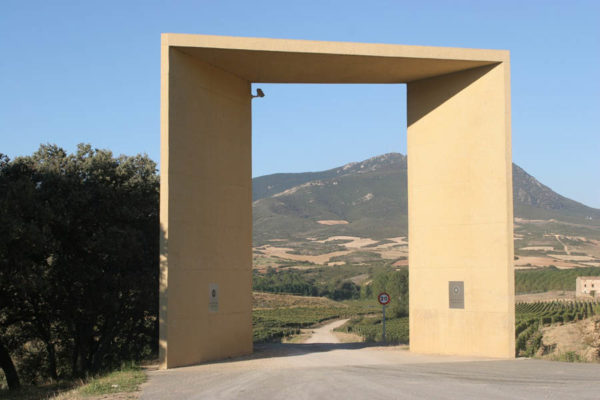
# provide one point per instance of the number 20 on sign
(383, 298)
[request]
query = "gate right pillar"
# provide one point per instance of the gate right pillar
(460, 213)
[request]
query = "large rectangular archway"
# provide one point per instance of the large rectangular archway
(459, 187)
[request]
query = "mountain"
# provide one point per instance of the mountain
(369, 199)
(533, 200)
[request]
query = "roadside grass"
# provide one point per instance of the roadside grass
(568, 356)
(127, 379)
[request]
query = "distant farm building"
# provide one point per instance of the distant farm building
(587, 286)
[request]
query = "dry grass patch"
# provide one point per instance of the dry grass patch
(283, 252)
(262, 300)
(569, 257)
(532, 262)
(576, 341)
(345, 337)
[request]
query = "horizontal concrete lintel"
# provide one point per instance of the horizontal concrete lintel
(334, 48)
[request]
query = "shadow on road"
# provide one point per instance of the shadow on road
(274, 350)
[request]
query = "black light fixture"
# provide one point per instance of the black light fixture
(259, 93)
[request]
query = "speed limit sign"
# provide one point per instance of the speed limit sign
(383, 298)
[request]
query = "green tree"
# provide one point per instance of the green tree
(78, 256)
(24, 247)
(395, 283)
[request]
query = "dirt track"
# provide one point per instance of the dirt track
(324, 334)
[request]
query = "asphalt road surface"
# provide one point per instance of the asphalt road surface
(361, 371)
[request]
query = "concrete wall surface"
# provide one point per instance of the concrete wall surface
(206, 213)
(459, 185)
(460, 213)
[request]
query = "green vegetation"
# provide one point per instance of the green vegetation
(568, 356)
(370, 328)
(395, 283)
(79, 245)
(335, 282)
(303, 283)
(260, 261)
(323, 275)
(552, 278)
(78, 263)
(357, 257)
(365, 313)
(314, 248)
(370, 195)
(276, 323)
(126, 379)
(273, 324)
(530, 317)
(45, 392)
(379, 243)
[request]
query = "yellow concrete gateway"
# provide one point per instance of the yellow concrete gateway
(459, 187)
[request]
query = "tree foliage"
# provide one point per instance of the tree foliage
(394, 283)
(551, 278)
(78, 260)
(300, 283)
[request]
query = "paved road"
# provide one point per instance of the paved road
(360, 371)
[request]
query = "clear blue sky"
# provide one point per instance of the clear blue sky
(88, 71)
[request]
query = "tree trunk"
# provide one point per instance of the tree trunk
(12, 378)
(51, 361)
(74, 358)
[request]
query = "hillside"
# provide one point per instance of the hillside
(371, 197)
(368, 199)
(533, 200)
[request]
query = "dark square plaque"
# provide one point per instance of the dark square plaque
(456, 291)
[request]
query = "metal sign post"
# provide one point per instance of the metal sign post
(383, 334)
(383, 299)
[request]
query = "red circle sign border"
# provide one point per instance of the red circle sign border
(379, 298)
